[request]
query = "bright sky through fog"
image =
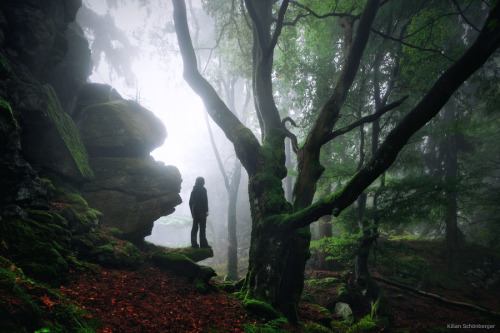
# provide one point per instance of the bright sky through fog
(162, 90)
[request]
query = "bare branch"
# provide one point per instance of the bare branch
(279, 26)
(364, 120)
(290, 135)
(245, 143)
(441, 53)
(464, 17)
(311, 12)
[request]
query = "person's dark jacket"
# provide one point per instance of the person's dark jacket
(198, 201)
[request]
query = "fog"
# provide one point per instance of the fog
(146, 66)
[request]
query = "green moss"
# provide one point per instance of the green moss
(106, 249)
(115, 232)
(197, 254)
(201, 281)
(177, 263)
(20, 311)
(9, 125)
(5, 70)
(69, 133)
(312, 327)
(39, 243)
(329, 282)
(366, 324)
(227, 287)
(278, 325)
(261, 309)
(129, 256)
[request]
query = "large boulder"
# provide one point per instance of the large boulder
(132, 193)
(120, 128)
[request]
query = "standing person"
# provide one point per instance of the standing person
(198, 203)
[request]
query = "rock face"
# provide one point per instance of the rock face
(130, 188)
(132, 193)
(55, 125)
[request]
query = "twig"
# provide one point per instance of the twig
(439, 298)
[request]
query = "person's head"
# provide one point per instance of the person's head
(200, 181)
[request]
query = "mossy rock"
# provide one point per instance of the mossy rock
(183, 266)
(201, 281)
(129, 256)
(195, 254)
(177, 263)
(227, 287)
(17, 311)
(261, 309)
(326, 283)
(20, 310)
(40, 244)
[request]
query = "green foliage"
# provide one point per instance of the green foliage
(276, 325)
(366, 324)
(341, 248)
(400, 262)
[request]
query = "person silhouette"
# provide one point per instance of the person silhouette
(198, 204)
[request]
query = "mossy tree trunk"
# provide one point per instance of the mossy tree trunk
(280, 230)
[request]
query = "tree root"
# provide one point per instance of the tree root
(439, 298)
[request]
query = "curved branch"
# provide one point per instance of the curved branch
(311, 12)
(245, 143)
(485, 45)
(257, 24)
(364, 120)
(279, 26)
(441, 53)
(464, 17)
(290, 135)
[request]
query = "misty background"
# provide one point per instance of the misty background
(134, 50)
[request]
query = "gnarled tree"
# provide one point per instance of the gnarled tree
(280, 230)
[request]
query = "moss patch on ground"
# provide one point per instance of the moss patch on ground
(26, 306)
(181, 265)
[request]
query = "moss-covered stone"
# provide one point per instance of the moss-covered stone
(202, 278)
(20, 310)
(39, 243)
(18, 313)
(227, 287)
(260, 309)
(183, 266)
(177, 263)
(68, 133)
(196, 254)
(129, 256)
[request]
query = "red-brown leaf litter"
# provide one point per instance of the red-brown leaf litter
(154, 301)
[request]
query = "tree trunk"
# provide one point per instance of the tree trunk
(280, 233)
(450, 177)
(232, 247)
(325, 230)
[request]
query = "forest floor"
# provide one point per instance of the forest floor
(150, 300)
(414, 312)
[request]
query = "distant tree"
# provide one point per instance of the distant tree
(280, 234)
